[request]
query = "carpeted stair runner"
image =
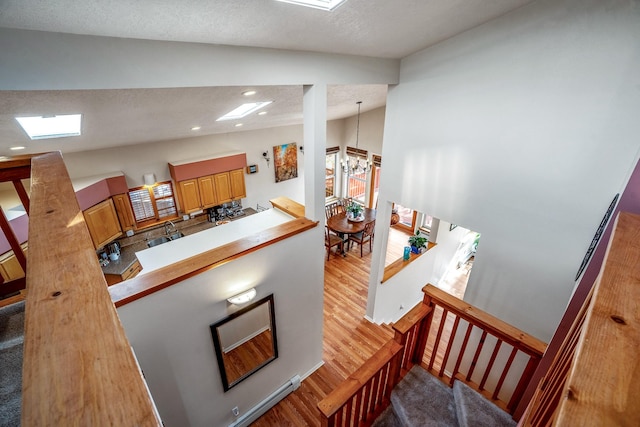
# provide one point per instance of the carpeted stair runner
(421, 399)
(11, 340)
(474, 410)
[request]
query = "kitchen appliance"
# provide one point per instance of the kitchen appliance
(114, 251)
(226, 211)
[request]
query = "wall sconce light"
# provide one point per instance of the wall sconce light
(243, 297)
(265, 155)
(149, 179)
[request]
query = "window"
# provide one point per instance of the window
(153, 204)
(375, 181)
(356, 182)
(330, 172)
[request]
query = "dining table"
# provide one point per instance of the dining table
(343, 226)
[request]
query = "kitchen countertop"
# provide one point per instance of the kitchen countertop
(137, 243)
(177, 250)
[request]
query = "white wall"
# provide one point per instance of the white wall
(169, 331)
(522, 129)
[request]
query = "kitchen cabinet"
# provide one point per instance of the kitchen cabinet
(211, 190)
(102, 222)
(223, 187)
(238, 190)
(189, 195)
(207, 188)
(10, 268)
(129, 273)
(124, 211)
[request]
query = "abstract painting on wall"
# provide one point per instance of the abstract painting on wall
(285, 159)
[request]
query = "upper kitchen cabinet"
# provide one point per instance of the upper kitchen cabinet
(203, 183)
(238, 190)
(102, 222)
(189, 195)
(207, 187)
(124, 211)
(223, 186)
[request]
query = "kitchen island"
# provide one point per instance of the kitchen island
(211, 249)
(178, 250)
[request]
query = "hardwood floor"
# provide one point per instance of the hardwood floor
(349, 339)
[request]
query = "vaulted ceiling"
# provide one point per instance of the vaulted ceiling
(376, 28)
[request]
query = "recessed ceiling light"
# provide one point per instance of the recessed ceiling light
(262, 113)
(196, 128)
(238, 125)
(16, 148)
(249, 93)
(243, 110)
(43, 127)
(316, 4)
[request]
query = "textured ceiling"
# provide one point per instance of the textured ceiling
(133, 116)
(377, 28)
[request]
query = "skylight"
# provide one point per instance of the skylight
(316, 4)
(44, 127)
(244, 110)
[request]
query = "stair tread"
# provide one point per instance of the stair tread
(474, 410)
(421, 399)
(388, 418)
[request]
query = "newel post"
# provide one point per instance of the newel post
(423, 329)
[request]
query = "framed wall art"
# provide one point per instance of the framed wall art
(285, 160)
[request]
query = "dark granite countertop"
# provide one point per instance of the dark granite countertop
(138, 242)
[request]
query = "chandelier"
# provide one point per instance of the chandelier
(357, 166)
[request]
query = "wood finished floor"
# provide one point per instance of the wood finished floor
(349, 339)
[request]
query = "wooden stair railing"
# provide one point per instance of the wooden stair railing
(491, 356)
(365, 394)
(429, 326)
(593, 379)
(78, 366)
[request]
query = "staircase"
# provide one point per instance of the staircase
(421, 399)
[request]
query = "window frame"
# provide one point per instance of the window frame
(153, 200)
(331, 152)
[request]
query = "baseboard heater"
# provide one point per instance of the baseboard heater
(257, 411)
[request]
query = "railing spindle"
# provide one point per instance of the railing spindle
(449, 344)
(496, 349)
(505, 371)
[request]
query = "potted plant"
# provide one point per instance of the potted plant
(418, 243)
(354, 210)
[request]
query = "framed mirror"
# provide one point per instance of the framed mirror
(245, 341)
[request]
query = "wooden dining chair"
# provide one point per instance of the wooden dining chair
(331, 209)
(331, 240)
(364, 236)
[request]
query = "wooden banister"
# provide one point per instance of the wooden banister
(593, 379)
(365, 394)
(78, 366)
(506, 332)
(442, 327)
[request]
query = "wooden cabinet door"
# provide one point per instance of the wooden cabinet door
(103, 224)
(124, 211)
(223, 187)
(207, 191)
(238, 190)
(190, 195)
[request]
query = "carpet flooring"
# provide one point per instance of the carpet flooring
(422, 400)
(11, 341)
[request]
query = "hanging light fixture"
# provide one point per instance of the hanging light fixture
(357, 166)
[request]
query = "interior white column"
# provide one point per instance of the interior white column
(315, 141)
